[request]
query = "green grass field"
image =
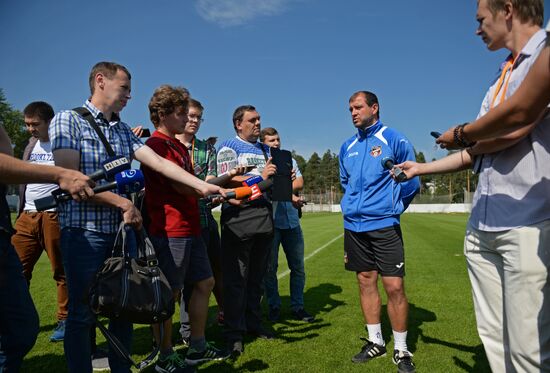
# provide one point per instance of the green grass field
(442, 333)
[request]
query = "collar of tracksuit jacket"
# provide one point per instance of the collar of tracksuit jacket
(369, 131)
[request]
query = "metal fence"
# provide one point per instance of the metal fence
(329, 198)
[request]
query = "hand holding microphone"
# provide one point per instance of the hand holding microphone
(124, 182)
(389, 164)
(244, 192)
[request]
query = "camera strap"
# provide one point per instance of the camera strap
(85, 113)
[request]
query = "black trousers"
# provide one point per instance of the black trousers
(244, 264)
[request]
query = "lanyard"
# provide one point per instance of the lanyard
(504, 82)
(193, 153)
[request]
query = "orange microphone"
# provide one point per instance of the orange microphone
(244, 192)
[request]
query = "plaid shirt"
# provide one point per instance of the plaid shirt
(68, 130)
(203, 158)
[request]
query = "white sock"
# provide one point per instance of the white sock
(375, 333)
(400, 340)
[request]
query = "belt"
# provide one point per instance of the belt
(34, 211)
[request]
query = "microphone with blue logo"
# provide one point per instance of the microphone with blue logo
(125, 182)
(389, 164)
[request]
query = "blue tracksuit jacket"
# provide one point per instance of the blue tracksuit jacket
(372, 199)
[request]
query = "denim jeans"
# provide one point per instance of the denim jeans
(83, 253)
(18, 318)
(292, 241)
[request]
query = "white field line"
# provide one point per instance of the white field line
(285, 273)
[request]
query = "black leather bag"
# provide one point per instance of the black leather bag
(132, 289)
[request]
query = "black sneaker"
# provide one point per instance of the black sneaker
(173, 363)
(100, 361)
(235, 349)
(404, 362)
(183, 341)
(369, 351)
(274, 314)
(194, 357)
(261, 334)
(302, 315)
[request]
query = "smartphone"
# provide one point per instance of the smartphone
(145, 132)
(435, 134)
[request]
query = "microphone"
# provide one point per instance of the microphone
(389, 164)
(244, 191)
(111, 167)
(125, 182)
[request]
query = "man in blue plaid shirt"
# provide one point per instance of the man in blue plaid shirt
(88, 230)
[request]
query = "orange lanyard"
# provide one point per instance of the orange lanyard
(193, 153)
(504, 82)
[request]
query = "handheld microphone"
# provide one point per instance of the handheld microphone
(111, 167)
(389, 164)
(244, 191)
(253, 180)
(125, 182)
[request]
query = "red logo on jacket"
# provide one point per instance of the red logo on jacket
(376, 151)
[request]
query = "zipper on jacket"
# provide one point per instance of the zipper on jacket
(361, 179)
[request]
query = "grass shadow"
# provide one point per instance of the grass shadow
(44, 363)
(417, 317)
(480, 359)
(318, 301)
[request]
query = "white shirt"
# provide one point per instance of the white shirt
(514, 187)
(41, 154)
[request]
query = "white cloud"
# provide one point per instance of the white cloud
(236, 12)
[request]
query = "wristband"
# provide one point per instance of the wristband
(459, 137)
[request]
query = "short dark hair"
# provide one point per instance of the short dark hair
(268, 131)
(109, 69)
(239, 113)
(40, 109)
(196, 104)
(369, 97)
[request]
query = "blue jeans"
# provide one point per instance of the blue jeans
(292, 241)
(18, 318)
(83, 253)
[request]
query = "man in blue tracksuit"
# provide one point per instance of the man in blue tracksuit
(372, 205)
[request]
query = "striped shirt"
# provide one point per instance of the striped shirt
(68, 130)
(513, 189)
(237, 151)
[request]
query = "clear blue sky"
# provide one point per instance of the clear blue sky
(297, 61)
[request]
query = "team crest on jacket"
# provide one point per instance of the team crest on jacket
(375, 151)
